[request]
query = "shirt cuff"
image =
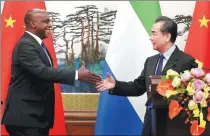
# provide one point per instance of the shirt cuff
(76, 75)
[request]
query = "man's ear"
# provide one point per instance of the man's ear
(33, 24)
(167, 37)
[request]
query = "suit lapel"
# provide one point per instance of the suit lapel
(42, 53)
(171, 63)
(152, 64)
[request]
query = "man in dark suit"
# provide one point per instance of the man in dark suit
(29, 107)
(164, 33)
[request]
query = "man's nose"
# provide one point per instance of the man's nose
(50, 24)
(150, 38)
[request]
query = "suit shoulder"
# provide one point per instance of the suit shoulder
(25, 41)
(186, 56)
(154, 56)
(24, 44)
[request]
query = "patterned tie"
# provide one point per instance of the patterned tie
(158, 72)
(45, 50)
(44, 47)
(160, 65)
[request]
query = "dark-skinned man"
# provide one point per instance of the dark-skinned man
(29, 107)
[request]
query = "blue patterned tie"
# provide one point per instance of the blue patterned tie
(160, 65)
(45, 50)
(158, 72)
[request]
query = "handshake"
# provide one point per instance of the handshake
(85, 75)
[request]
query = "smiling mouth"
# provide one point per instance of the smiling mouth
(48, 31)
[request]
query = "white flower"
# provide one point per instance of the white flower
(191, 105)
(176, 82)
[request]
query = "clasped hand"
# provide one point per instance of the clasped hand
(85, 75)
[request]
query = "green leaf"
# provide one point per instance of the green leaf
(163, 77)
(180, 90)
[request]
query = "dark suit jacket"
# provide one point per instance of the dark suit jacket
(178, 61)
(31, 97)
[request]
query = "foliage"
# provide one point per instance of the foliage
(188, 95)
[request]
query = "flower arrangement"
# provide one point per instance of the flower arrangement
(188, 94)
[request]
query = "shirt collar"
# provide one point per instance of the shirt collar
(35, 37)
(168, 53)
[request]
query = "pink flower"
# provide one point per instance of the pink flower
(208, 78)
(198, 84)
(198, 96)
(197, 72)
(185, 76)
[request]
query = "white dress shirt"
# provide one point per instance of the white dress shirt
(167, 55)
(40, 42)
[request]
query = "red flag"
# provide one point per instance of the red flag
(12, 29)
(198, 42)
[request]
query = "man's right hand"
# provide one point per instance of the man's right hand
(85, 75)
(106, 84)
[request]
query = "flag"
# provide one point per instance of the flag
(12, 29)
(128, 49)
(198, 40)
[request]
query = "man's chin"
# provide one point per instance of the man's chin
(46, 35)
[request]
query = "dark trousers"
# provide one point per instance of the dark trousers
(147, 129)
(24, 131)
